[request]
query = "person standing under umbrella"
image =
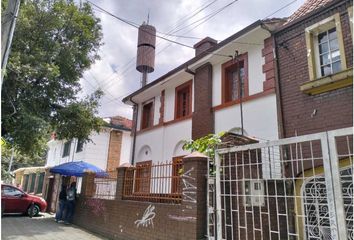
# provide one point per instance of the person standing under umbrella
(62, 204)
(70, 203)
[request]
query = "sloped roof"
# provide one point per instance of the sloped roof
(308, 7)
(120, 122)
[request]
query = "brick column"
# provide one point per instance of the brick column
(88, 186)
(194, 190)
(203, 116)
(269, 64)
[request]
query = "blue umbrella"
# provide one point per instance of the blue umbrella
(78, 169)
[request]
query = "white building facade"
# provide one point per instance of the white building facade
(202, 96)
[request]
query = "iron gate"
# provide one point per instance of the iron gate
(294, 188)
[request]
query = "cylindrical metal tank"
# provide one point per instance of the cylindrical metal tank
(145, 61)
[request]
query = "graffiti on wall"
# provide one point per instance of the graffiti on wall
(182, 218)
(147, 218)
(95, 205)
(189, 190)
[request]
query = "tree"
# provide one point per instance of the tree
(54, 43)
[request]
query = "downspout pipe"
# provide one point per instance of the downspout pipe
(135, 128)
(281, 130)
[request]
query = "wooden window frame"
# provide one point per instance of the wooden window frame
(230, 65)
(187, 85)
(139, 186)
(311, 34)
(143, 123)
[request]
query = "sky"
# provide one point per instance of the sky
(187, 22)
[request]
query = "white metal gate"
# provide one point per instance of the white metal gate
(294, 188)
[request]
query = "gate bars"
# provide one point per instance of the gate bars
(294, 188)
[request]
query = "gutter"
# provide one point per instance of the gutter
(135, 128)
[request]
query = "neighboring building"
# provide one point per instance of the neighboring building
(30, 179)
(202, 95)
(107, 150)
(315, 63)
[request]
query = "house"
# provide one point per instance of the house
(107, 149)
(202, 96)
(30, 179)
(315, 66)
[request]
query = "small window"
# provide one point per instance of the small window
(234, 79)
(80, 145)
(66, 150)
(33, 182)
(254, 192)
(25, 184)
(325, 48)
(329, 54)
(183, 100)
(147, 115)
(40, 183)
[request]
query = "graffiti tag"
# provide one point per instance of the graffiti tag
(189, 190)
(96, 205)
(147, 218)
(182, 219)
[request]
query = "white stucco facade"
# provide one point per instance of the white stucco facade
(164, 140)
(94, 152)
(163, 143)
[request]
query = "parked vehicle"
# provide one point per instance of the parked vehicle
(14, 200)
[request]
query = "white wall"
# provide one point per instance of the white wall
(125, 148)
(259, 118)
(96, 152)
(160, 144)
(255, 75)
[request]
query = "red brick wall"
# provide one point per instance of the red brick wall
(114, 150)
(268, 66)
(162, 107)
(302, 113)
(118, 219)
(203, 117)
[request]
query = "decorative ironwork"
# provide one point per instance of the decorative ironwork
(317, 221)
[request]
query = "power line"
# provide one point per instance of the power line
(280, 9)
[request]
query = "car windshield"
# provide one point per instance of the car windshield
(10, 191)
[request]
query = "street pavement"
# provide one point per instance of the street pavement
(43, 227)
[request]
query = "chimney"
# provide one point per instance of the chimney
(204, 45)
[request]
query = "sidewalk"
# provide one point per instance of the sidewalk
(41, 228)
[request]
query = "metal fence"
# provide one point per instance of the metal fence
(105, 188)
(295, 188)
(160, 182)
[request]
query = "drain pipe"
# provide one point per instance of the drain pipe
(277, 85)
(136, 108)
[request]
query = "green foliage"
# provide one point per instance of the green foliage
(206, 144)
(19, 160)
(54, 43)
